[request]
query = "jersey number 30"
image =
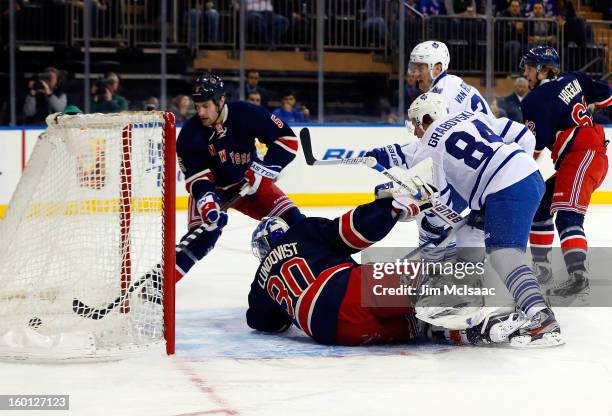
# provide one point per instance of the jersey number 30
(296, 277)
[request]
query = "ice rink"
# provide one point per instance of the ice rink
(221, 367)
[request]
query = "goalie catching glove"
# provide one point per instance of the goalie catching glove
(258, 172)
(210, 211)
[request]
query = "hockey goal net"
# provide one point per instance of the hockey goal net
(89, 227)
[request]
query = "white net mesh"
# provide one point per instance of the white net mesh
(85, 223)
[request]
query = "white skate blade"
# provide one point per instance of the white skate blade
(553, 339)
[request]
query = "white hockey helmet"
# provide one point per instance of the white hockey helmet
(431, 52)
(429, 103)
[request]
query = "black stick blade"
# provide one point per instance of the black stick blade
(307, 146)
(87, 312)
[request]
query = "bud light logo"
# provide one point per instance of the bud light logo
(340, 153)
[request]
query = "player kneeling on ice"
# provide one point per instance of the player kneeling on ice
(308, 278)
(500, 180)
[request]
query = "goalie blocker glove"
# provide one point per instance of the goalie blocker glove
(210, 211)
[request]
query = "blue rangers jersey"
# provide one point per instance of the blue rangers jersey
(561, 104)
(460, 96)
(469, 157)
(218, 156)
(304, 278)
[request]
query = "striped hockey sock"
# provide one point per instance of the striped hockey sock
(541, 239)
(525, 290)
(574, 248)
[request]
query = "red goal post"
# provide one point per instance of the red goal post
(92, 216)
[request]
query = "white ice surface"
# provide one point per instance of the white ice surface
(223, 368)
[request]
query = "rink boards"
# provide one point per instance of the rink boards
(308, 186)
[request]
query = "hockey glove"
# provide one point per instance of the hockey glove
(389, 156)
(259, 172)
(210, 211)
(407, 206)
(425, 191)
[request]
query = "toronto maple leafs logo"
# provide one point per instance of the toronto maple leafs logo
(435, 45)
(423, 97)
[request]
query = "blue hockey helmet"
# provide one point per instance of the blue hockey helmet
(208, 87)
(266, 235)
(540, 57)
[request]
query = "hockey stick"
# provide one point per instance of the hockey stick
(440, 210)
(449, 237)
(85, 311)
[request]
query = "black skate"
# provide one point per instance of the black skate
(543, 272)
(577, 284)
(541, 331)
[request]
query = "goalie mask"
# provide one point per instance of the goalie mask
(431, 104)
(430, 53)
(267, 235)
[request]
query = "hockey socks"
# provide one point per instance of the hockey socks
(519, 279)
(573, 240)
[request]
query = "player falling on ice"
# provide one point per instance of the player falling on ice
(307, 277)
(503, 182)
(216, 152)
(556, 110)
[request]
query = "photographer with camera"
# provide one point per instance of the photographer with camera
(104, 95)
(44, 96)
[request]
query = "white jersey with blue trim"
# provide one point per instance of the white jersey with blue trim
(460, 95)
(513, 132)
(509, 131)
(470, 157)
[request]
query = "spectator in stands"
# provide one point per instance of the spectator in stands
(411, 90)
(296, 13)
(254, 97)
(540, 32)
(209, 20)
(431, 7)
(151, 104)
(550, 8)
(511, 34)
(266, 25)
(104, 17)
(288, 111)
(500, 6)
(252, 84)
(460, 7)
(375, 19)
(497, 111)
(182, 107)
(105, 97)
(44, 96)
(574, 27)
(512, 103)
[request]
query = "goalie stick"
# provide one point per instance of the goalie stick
(440, 210)
(85, 311)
